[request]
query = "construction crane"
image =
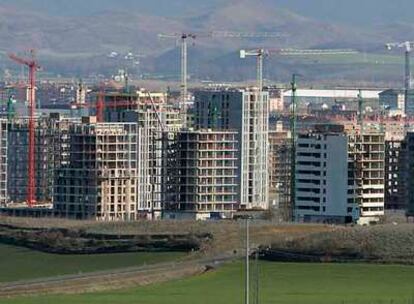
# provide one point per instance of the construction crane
(33, 66)
(183, 39)
(100, 104)
(260, 54)
(408, 48)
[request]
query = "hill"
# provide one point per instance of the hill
(75, 39)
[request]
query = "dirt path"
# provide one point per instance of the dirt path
(109, 280)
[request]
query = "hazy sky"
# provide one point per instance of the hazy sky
(350, 11)
(366, 12)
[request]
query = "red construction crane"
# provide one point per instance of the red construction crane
(100, 104)
(33, 66)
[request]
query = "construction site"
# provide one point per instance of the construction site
(114, 151)
(270, 164)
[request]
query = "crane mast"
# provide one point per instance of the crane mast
(260, 54)
(183, 37)
(33, 66)
(408, 48)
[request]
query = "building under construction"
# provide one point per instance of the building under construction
(100, 179)
(200, 180)
(50, 153)
(247, 112)
(151, 125)
(366, 152)
(280, 170)
(153, 116)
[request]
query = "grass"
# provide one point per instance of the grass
(280, 283)
(21, 264)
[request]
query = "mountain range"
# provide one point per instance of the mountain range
(75, 37)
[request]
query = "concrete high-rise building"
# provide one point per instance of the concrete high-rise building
(367, 173)
(340, 176)
(152, 120)
(247, 112)
(280, 170)
(99, 181)
(151, 126)
(50, 153)
(200, 177)
(395, 174)
(322, 178)
(409, 177)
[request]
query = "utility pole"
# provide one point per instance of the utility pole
(256, 277)
(293, 148)
(247, 282)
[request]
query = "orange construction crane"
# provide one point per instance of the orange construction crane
(33, 67)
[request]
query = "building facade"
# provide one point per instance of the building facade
(200, 179)
(280, 147)
(247, 112)
(367, 174)
(322, 178)
(410, 173)
(50, 153)
(151, 125)
(395, 175)
(99, 181)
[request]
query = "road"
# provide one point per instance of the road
(112, 279)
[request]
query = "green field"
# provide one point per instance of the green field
(18, 263)
(280, 283)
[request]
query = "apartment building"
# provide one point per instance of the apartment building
(247, 112)
(100, 178)
(151, 125)
(367, 173)
(395, 175)
(322, 177)
(280, 170)
(50, 152)
(200, 180)
(410, 174)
